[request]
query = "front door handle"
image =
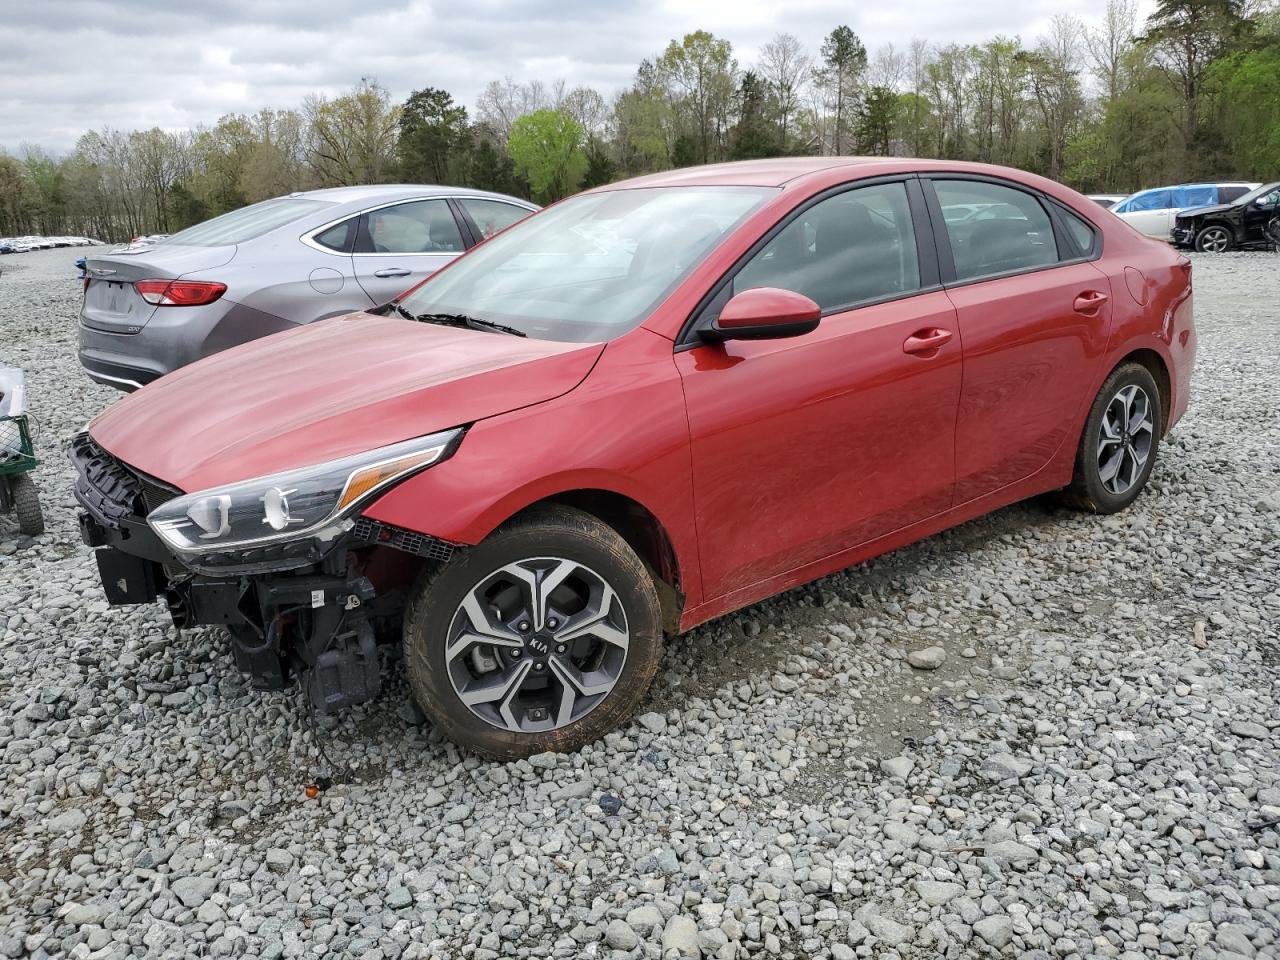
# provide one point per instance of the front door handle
(392, 272)
(927, 342)
(1090, 302)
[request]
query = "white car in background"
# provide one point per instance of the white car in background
(1107, 200)
(1152, 212)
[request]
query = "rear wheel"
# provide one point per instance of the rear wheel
(26, 503)
(544, 637)
(1214, 238)
(1121, 438)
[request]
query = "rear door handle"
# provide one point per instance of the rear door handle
(926, 342)
(1090, 302)
(392, 272)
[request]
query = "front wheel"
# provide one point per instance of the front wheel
(26, 503)
(544, 637)
(1214, 239)
(1121, 437)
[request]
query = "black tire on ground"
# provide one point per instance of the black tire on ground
(543, 532)
(1215, 238)
(26, 503)
(1087, 491)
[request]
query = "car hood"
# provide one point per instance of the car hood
(327, 390)
(1201, 211)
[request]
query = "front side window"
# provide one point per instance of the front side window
(420, 226)
(492, 216)
(851, 248)
(592, 267)
(1012, 231)
(247, 222)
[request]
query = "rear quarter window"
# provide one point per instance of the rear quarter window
(247, 222)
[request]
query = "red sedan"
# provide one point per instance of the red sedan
(644, 407)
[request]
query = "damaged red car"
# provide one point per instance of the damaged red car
(644, 407)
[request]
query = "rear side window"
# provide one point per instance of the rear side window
(1009, 231)
(339, 237)
(420, 226)
(1080, 230)
(492, 216)
(855, 247)
(1195, 196)
(247, 222)
(1228, 194)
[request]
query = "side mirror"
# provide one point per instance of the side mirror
(764, 313)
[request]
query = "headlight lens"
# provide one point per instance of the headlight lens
(310, 502)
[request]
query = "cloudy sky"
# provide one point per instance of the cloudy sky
(74, 65)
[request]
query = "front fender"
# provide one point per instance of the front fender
(623, 430)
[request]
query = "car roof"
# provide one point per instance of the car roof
(394, 191)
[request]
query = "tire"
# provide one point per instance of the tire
(1094, 488)
(26, 503)
(1215, 238)
(601, 626)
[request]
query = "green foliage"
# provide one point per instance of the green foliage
(1246, 89)
(878, 121)
(546, 147)
(754, 135)
(432, 129)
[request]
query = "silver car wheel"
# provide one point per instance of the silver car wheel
(537, 644)
(1215, 240)
(1125, 439)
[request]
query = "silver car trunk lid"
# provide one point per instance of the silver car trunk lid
(111, 303)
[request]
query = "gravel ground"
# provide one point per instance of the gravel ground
(1085, 766)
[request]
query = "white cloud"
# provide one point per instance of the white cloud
(84, 64)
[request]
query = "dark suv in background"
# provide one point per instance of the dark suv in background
(1244, 223)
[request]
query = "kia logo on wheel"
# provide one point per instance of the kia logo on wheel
(538, 646)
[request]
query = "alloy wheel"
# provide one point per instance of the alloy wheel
(1125, 439)
(537, 644)
(1215, 240)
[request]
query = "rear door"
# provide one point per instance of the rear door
(1150, 212)
(1033, 314)
(399, 245)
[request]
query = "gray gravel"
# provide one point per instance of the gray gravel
(1077, 775)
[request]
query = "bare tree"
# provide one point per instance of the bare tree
(887, 68)
(1110, 43)
(785, 66)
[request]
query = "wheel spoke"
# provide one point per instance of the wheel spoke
(498, 691)
(481, 629)
(1107, 471)
(574, 685)
(539, 583)
(595, 621)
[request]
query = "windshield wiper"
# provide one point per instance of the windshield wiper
(462, 320)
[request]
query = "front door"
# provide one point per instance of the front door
(399, 246)
(805, 447)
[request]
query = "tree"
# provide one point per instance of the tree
(1185, 36)
(844, 61)
(353, 137)
(1110, 44)
(1055, 87)
(546, 147)
(432, 128)
(753, 135)
(784, 68)
(878, 121)
(700, 72)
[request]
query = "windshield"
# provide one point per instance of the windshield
(246, 223)
(591, 268)
(1255, 194)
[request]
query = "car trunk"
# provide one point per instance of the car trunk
(113, 305)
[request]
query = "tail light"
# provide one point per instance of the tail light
(179, 293)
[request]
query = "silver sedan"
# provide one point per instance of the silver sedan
(269, 267)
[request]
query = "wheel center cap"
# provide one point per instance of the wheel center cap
(538, 645)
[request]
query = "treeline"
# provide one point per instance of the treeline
(1192, 92)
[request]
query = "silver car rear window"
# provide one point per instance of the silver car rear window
(247, 222)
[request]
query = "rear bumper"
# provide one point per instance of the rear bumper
(172, 338)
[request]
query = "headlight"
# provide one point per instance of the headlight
(308, 503)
